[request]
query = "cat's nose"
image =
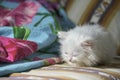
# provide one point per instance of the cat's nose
(70, 59)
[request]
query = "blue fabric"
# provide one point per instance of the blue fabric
(20, 66)
(23, 65)
(40, 34)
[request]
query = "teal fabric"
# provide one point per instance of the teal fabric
(43, 34)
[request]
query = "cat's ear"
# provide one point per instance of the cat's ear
(87, 43)
(62, 34)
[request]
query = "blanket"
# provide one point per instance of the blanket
(28, 35)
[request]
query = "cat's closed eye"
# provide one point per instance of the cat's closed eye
(66, 52)
(75, 55)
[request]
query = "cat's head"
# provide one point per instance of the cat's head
(75, 49)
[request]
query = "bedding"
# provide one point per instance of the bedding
(13, 49)
(28, 35)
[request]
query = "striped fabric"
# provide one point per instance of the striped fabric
(65, 72)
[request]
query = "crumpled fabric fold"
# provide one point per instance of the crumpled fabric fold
(15, 49)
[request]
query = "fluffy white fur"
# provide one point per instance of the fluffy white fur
(86, 45)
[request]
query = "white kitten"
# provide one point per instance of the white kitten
(86, 45)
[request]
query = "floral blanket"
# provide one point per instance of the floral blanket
(28, 31)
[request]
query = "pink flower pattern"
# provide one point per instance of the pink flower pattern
(3, 13)
(19, 16)
(15, 49)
